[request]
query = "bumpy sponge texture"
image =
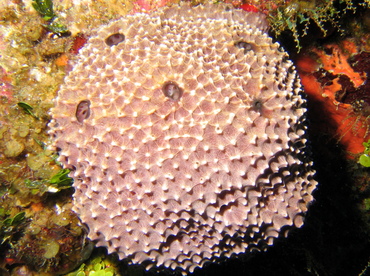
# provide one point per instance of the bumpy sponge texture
(216, 168)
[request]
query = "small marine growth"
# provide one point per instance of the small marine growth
(53, 24)
(308, 20)
(364, 159)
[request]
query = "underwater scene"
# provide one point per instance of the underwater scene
(184, 137)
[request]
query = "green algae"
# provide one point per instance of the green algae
(364, 159)
(10, 225)
(55, 184)
(28, 109)
(45, 9)
(99, 265)
(61, 179)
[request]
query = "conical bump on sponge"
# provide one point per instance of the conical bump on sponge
(185, 133)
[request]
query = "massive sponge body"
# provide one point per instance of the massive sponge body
(185, 133)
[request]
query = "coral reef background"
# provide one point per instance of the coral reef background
(41, 236)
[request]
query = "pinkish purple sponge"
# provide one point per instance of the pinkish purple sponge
(185, 132)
